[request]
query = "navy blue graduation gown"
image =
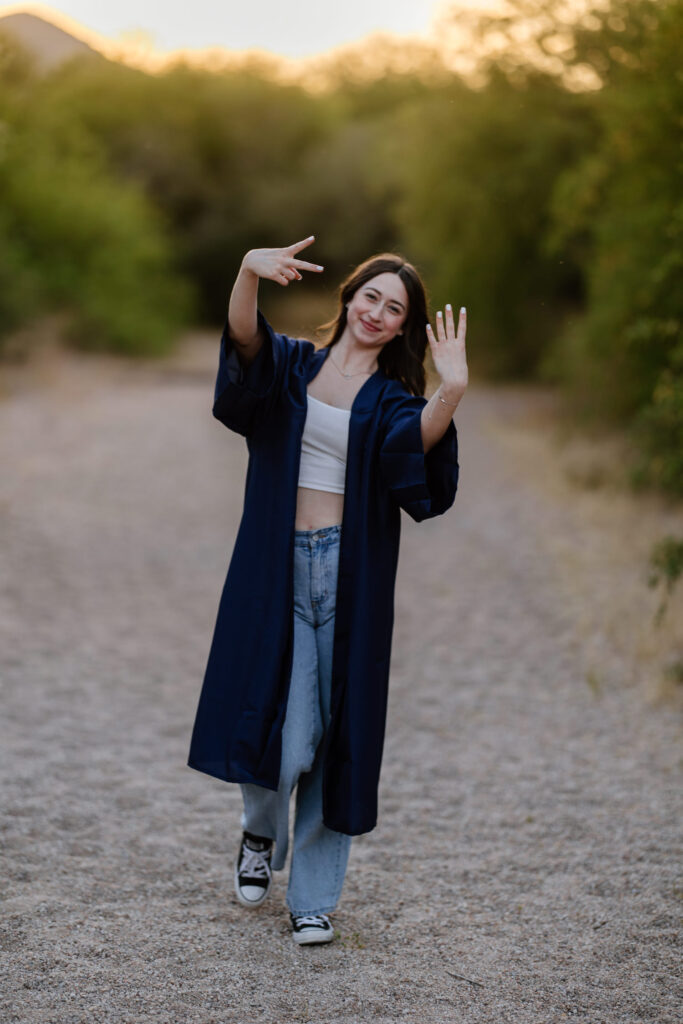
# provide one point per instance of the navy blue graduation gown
(237, 734)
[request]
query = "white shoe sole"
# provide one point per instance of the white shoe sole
(312, 938)
(243, 900)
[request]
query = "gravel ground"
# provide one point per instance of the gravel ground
(524, 867)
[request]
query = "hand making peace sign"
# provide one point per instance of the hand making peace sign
(448, 350)
(280, 265)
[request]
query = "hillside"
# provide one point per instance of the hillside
(48, 44)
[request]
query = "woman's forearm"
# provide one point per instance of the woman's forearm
(243, 306)
(280, 265)
(436, 416)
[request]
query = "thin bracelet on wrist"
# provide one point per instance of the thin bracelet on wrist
(453, 404)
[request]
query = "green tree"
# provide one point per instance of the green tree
(475, 185)
(72, 237)
(623, 205)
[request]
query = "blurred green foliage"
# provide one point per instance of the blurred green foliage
(473, 206)
(666, 565)
(621, 207)
(73, 235)
(544, 194)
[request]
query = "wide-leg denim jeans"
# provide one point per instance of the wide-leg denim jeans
(319, 855)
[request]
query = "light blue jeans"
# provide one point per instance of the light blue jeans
(319, 855)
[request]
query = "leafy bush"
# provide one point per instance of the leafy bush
(621, 206)
(72, 237)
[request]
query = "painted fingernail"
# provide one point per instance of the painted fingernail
(439, 313)
(448, 306)
(462, 310)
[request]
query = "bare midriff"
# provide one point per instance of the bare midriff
(316, 509)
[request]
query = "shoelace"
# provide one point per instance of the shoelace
(312, 919)
(253, 863)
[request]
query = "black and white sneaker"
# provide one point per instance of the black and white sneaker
(310, 928)
(253, 876)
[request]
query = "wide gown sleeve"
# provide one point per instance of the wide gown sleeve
(243, 397)
(424, 485)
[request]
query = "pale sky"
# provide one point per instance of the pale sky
(290, 28)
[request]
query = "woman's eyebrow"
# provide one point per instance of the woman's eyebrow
(397, 301)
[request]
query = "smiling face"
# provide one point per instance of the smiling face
(378, 310)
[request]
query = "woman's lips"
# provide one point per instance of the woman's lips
(369, 327)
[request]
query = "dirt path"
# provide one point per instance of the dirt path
(524, 868)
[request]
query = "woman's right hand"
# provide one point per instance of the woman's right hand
(280, 265)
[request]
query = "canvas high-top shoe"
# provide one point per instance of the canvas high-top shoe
(309, 929)
(253, 876)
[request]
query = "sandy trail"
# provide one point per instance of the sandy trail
(524, 868)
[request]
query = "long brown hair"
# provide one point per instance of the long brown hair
(403, 357)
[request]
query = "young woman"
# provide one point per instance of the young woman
(340, 439)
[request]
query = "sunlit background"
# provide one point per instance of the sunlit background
(291, 30)
(523, 154)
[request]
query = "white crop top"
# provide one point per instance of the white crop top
(324, 446)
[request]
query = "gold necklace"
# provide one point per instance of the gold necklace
(348, 376)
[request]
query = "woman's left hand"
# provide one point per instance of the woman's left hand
(448, 352)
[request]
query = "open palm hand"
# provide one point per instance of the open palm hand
(448, 350)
